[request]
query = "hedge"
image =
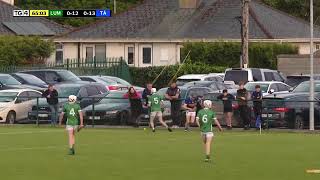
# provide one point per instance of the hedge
(261, 55)
(140, 76)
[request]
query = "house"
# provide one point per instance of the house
(28, 26)
(153, 32)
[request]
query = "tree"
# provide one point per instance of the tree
(18, 50)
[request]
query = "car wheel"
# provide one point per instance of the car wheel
(124, 117)
(299, 122)
(11, 117)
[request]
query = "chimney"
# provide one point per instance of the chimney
(189, 4)
(11, 2)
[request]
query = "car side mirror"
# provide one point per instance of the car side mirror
(291, 89)
(271, 91)
(18, 101)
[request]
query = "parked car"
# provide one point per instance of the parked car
(29, 79)
(122, 84)
(295, 80)
(304, 87)
(199, 77)
(213, 85)
(268, 87)
(8, 82)
(108, 83)
(16, 103)
(54, 76)
(252, 74)
(87, 95)
(290, 110)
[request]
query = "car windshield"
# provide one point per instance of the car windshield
(115, 97)
(236, 76)
(181, 82)
(68, 76)
(8, 96)
(66, 91)
(120, 81)
(305, 87)
(9, 80)
(108, 81)
(252, 86)
(293, 81)
(31, 79)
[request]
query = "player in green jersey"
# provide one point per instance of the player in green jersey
(73, 113)
(154, 102)
(205, 119)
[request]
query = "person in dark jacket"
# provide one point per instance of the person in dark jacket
(135, 104)
(52, 98)
(173, 95)
(257, 105)
(242, 97)
(227, 107)
(146, 93)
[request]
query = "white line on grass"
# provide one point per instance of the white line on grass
(27, 132)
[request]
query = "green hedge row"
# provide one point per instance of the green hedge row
(140, 76)
(261, 55)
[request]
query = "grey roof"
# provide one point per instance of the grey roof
(213, 19)
(9, 25)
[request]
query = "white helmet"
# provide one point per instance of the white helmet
(72, 99)
(207, 104)
(153, 90)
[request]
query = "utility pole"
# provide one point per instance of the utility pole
(311, 70)
(245, 33)
(115, 6)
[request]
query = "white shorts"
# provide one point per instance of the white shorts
(71, 128)
(192, 114)
(207, 134)
(156, 114)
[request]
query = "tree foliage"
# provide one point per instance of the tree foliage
(122, 5)
(227, 54)
(18, 50)
(298, 8)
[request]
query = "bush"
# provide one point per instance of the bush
(261, 55)
(18, 50)
(140, 76)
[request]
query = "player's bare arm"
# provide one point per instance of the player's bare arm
(81, 118)
(197, 121)
(61, 118)
(218, 124)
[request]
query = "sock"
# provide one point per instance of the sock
(207, 156)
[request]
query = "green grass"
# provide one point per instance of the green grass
(41, 153)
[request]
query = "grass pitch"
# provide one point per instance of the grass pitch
(28, 153)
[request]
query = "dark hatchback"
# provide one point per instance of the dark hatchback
(29, 79)
(54, 76)
(87, 94)
(291, 109)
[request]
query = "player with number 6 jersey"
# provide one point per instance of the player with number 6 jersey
(73, 113)
(205, 119)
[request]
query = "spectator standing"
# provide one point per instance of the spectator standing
(190, 105)
(257, 105)
(242, 97)
(147, 92)
(135, 105)
(51, 94)
(227, 107)
(173, 95)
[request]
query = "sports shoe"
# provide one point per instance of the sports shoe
(186, 129)
(169, 129)
(229, 127)
(153, 130)
(71, 151)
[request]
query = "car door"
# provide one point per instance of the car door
(22, 105)
(94, 95)
(273, 87)
(282, 88)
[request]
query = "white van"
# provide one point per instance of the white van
(252, 74)
(199, 77)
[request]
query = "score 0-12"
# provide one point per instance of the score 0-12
(72, 13)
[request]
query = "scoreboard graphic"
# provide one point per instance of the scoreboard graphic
(62, 13)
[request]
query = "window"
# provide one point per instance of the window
(317, 47)
(146, 53)
(89, 54)
(130, 55)
(277, 76)
(51, 77)
(214, 87)
(164, 55)
(34, 95)
(87, 79)
(59, 53)
(198, 92)
(256, 73)
(83, 92)
(92, 91)
(274, 87)
(100, 52)
(268, 76)
(23, 97)
(236, 76)
(283, 87)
